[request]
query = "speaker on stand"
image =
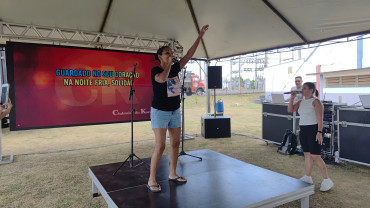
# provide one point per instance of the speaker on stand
(214, 77)
(215, 127)
(214, 81)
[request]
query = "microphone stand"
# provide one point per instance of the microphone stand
(183, 118)
(130, 158)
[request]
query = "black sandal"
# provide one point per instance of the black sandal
(154, 191)
(176, 180)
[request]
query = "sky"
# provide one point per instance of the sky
(339, 56)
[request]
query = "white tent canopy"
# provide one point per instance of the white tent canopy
(236, 26)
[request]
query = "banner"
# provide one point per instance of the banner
(53, 86)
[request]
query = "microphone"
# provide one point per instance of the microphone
(293, 92)
(175, 60)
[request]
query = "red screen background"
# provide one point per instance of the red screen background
(41, 98)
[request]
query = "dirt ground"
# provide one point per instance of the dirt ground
(50, 167)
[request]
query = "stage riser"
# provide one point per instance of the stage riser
(217, 181)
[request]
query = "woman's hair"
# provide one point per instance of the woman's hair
(159, 52)
(312, 87)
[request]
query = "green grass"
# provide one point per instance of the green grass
(50, 167)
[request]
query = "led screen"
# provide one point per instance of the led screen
(53, 86)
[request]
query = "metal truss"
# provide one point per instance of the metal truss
(14, 31)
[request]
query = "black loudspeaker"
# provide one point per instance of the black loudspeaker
(216, 127)
(214, 77)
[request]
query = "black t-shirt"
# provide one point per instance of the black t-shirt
(161, 101)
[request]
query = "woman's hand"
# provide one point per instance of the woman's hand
(8, 105)
(293, 95)
(319, 138)
(204, 29)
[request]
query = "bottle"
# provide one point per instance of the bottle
(219, 106)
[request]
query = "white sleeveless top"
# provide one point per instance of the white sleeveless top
(307, 113)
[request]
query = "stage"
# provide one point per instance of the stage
(216, 181)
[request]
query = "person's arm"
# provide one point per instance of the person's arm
(163, 76)
(319, 110)
(5, 111)
(193, 48)
(293, 107)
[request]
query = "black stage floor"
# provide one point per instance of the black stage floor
(216, 181)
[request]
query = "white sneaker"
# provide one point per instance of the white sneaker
(307, 179)
(326, 184)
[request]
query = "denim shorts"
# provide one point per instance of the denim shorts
(165, 119)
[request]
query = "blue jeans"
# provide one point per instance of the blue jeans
(165, 119)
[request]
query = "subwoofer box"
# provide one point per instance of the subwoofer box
(216, 127)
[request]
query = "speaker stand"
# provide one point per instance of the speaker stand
(182, 153)
(214, 101)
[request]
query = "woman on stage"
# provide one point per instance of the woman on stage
(165, 111)
(310, 110)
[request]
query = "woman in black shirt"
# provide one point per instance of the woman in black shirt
(165, 110)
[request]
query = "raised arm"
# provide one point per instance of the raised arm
(193, 48)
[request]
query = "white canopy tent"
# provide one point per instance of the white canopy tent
(236, 26)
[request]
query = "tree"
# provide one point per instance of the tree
(242, 82)
(252, 84)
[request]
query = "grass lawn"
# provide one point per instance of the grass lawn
(50, 167)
